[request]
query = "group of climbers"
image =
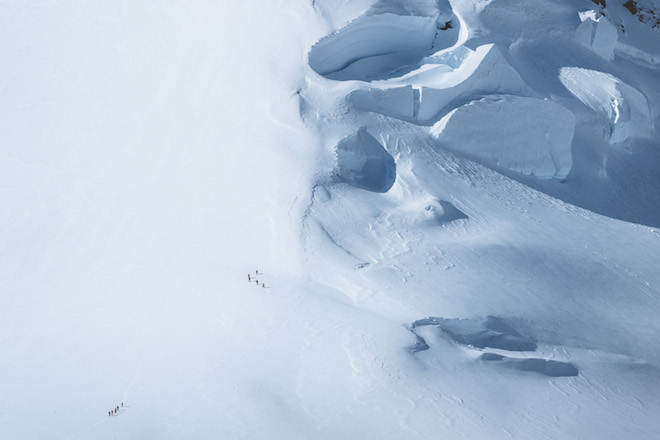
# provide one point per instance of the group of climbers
(256, 273)
(115, 410)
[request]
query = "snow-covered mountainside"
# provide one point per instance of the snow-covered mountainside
(375, 219)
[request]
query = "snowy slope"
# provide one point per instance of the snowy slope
(423, 276)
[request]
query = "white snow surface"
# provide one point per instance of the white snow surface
(380, 43)
(153, 154)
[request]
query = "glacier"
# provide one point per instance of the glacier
(375, 219)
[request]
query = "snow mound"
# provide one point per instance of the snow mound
(529, 136)
(382, 43)
(490, 332)
(440, 211)
(429, 212)
(451, 79)
(597, 33)
(625, 107)
(541, 366)
(364, 163)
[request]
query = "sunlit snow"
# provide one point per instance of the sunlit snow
(304, 219)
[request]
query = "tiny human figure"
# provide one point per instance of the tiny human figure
(249, 277)
(257, 281)
(257, 272)
(263, 285)
(122, 404)
(109, 413)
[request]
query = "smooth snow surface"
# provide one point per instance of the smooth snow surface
(454, 227)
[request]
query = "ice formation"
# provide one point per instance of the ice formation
(597, 33)
(363, 162)
(526, 135)
(453, 78)
(385, 42)
(625, 108)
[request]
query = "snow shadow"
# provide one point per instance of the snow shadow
(490, 332)
(387, 41)
(441, 212)
(420, 345)
(451, 212)
(534, 365)
(364, 163)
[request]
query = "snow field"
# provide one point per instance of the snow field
(154, 155)
(121, 256)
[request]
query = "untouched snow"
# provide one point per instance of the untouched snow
(154, 154)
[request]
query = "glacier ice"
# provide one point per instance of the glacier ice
(597, 33)
(385, 42)
(363, 162)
